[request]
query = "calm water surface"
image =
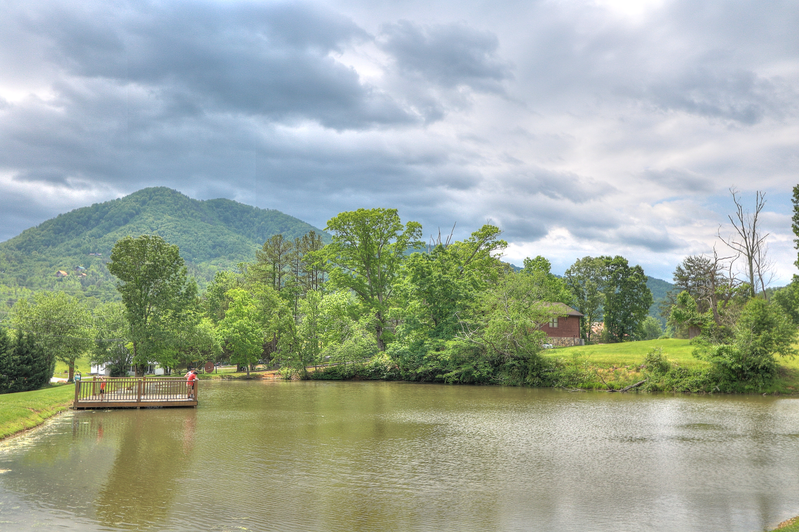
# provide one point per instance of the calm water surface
(394, 456)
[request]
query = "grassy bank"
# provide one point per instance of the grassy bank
(24, 410)
(791, 525)
(614, 366)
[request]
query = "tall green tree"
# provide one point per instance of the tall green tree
(24, 364)
(585, 279)
(59, 323)
(705, 280)
(438, 285)
(302, 341)
(366, 256)
(549, 286)
(311, 272)
(627, 299)
(112, 337)
(6, 363)
(274, 259)
(216, 300)
(157, 293)
(240, 329)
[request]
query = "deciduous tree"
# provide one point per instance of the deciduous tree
(627, 298)
(157, 294)
(366, 255)
(585, 279)
(112, 338)
(240, 329)
(59, 323)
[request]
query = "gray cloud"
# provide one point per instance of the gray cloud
(579, 128)
(449, 55)
(271, 60)
(736, 95)
(679, 181)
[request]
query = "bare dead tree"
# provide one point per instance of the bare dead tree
(748, 242)
(764, 268)
(435, 242)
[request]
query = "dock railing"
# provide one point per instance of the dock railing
(134, 392)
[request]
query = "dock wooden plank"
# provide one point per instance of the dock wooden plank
(133, 392)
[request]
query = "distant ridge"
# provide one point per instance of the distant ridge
(211, 234)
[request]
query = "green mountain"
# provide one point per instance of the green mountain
(660, 290)
(212, 235)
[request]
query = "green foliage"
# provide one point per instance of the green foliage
(651, 329)
(438, 287)
(240, 329)
(158, 296)
(199, 343)
(112, 337)
(627, 299)
(787, 298)
(585, 280)
(24, 364)
(549, 287)
(685, 315)
(216, 299)
(795, 220)
(748, 363)
(213, 235)
(366, 255)
(57, 322)
(656, 363)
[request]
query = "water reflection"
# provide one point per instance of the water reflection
(392, 456)
(144, 480)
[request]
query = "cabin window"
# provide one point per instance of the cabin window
(553, 323)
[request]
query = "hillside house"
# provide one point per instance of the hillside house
(61, 273)
(563, 329)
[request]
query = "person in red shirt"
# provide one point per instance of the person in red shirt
(191, 378)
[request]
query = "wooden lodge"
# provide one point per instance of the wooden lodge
(134, 392)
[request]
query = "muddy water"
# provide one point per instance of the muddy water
(394, 456)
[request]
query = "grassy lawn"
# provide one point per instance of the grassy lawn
(631, 353)
(619, 365)
(82, 365)
(24, 410)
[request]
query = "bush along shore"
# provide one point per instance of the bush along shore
(667, 365)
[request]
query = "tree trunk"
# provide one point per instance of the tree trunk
(381, 344)
(71, 372)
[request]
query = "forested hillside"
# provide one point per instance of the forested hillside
(212, 235)
(660, 290)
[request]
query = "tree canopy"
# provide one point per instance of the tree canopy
(157, 294)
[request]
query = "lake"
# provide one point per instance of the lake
(329, 456)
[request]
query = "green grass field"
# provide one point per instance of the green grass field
(631, 353)
(619, 364)
(24, 410)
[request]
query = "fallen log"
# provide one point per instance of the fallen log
(630, 387)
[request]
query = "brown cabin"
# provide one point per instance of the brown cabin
(563, 329)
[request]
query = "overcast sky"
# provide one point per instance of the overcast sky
(605, 127)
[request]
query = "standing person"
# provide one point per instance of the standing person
(102, 387)
(191, 378)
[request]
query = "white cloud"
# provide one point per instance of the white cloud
(583, 127)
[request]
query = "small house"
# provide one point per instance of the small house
(563, 329)
(61, 273)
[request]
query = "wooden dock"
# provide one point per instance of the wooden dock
(133, 392)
